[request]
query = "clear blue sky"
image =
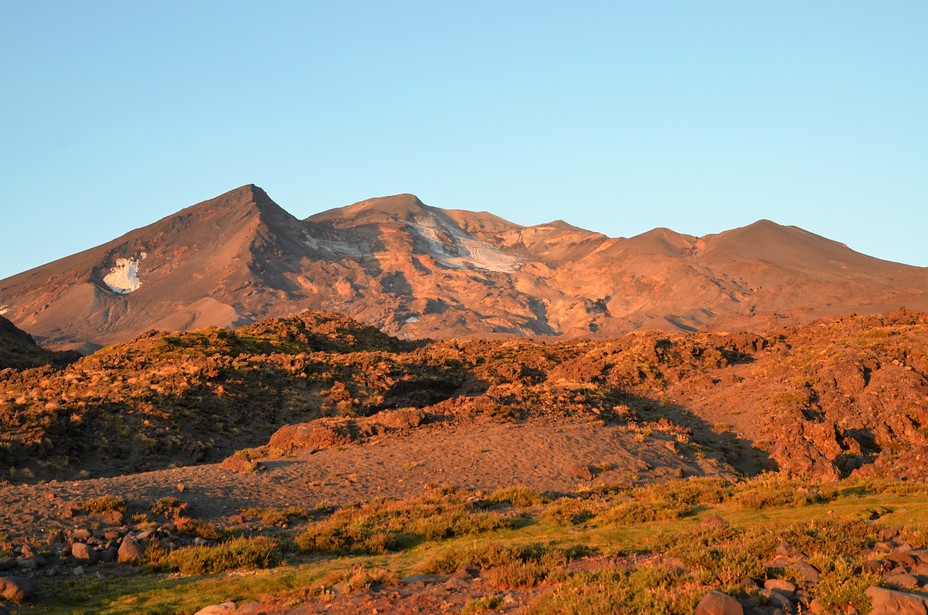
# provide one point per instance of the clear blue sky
(615, 116)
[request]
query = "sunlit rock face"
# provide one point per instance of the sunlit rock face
(417, 271)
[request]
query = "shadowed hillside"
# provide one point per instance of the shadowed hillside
(852, 390)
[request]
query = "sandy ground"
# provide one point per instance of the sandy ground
(544, 455)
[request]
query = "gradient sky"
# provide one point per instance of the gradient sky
(614, 116)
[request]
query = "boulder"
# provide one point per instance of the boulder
(780, 585)
(16, 589)
(890, 602)
(130, 550)
(82, 553)
(902, 580)
(718, 603)
(226, 608)
(582, 470)
(808, 572)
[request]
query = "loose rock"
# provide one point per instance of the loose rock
(16, 589)
(718, 603)
(217, 609)
(130, 550)
(82, 553)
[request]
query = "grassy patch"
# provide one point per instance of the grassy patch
(687, 537)
(236, 554)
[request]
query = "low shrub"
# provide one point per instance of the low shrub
(649, 589)
(481, 605)
(235, 554)
(389, 525)
(105, 503)
(516, 496)
(276, 516)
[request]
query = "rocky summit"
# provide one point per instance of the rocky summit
(417, 271)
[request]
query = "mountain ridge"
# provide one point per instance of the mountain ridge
(419, 271)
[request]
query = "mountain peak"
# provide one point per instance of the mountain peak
(397, 206)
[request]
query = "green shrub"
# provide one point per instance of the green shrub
(843, 584)
(649, 589)
(517, 496)
(276, 516)
(105, 503)
(235, 554)
(363, 577)
(634, 512)
(480, 605)
(389, 525)
(168, 505)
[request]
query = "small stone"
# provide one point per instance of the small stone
(876, 566)
(78, 571)
(181, 487)
(82, 553)
(780, 585)
(718, 603)
(902, 558)
(778, 599)
(81, 535)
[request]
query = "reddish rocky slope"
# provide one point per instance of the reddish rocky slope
(417, 271)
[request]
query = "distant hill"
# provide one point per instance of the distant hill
(417, 271)
(18, 350)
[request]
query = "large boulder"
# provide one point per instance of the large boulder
(718, 603)
(130, 550)
(890, 602)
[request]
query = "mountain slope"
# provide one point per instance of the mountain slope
(418, 271)
(19, 351)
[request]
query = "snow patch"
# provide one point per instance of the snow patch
(124, 277)
(412, 319)
(4, 309)
(455, 248)
(335, 248)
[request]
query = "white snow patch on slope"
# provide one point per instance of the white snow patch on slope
(4, 309)
(457, 249)
(124, 277)
(336, 248)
